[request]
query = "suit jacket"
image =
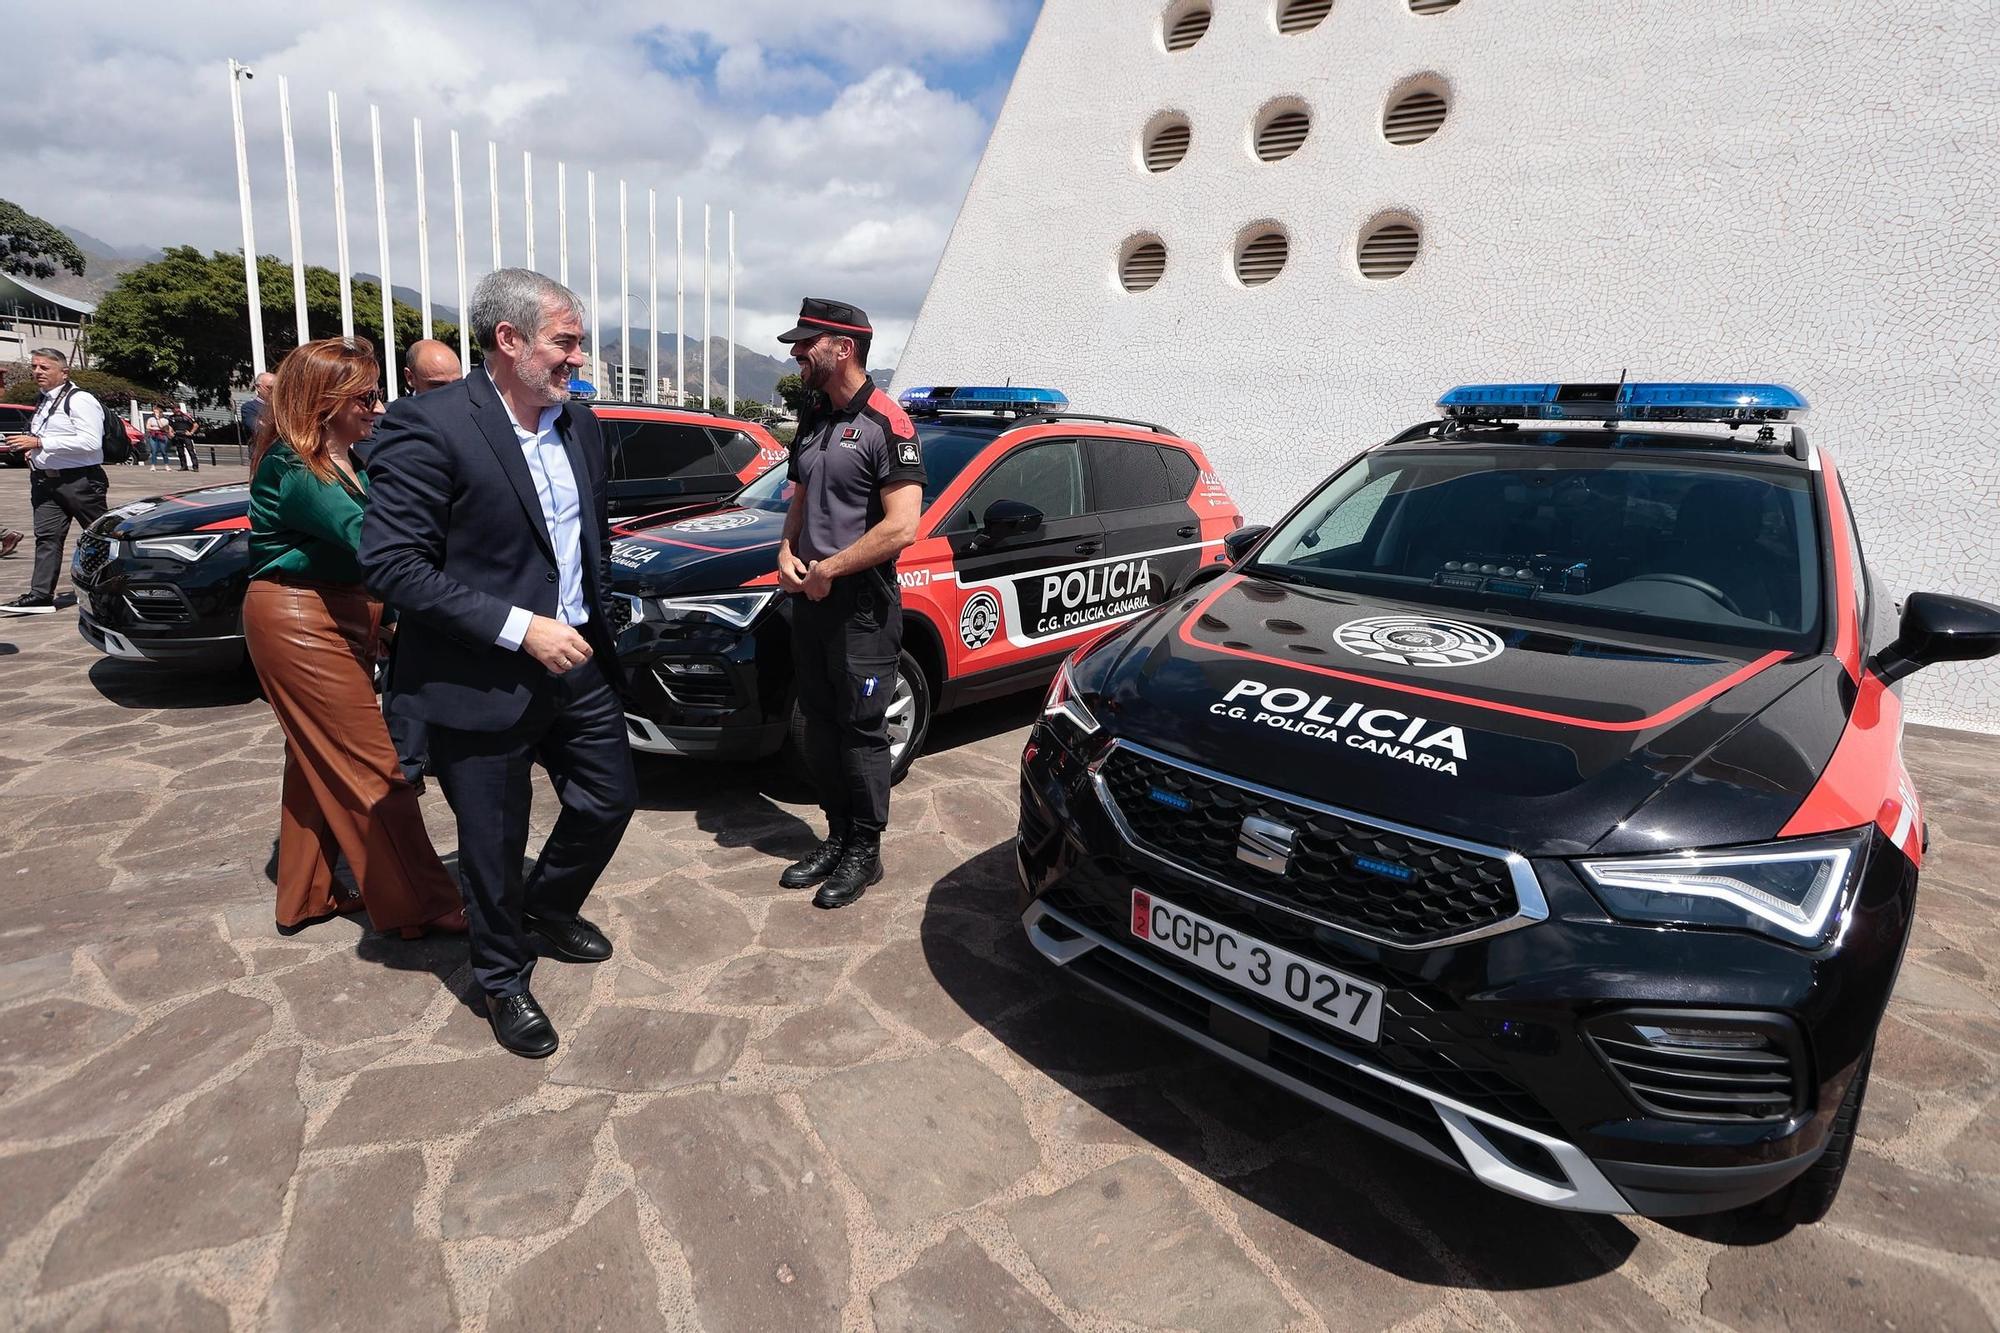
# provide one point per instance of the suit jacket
(454, 539)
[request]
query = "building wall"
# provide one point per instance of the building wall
(1799, 190)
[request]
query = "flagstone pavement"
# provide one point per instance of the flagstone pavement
(765, 1117)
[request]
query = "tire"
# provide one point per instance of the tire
(1810, 1198)
(913, 695)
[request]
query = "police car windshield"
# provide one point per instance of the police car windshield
(1722, 553)
(947, 449)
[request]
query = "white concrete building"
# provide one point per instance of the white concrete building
(1805, 191)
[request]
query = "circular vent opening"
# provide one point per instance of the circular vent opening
(1283, 132)
(1302, 15)
(1166, 143)
(1144, 264)
(1388, 249)
(1261, 254)
(1185, 26)
(1414, 118)
(1431, 6)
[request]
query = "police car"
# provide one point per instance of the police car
(1531, 795)
(1040, 526)
(162, 580)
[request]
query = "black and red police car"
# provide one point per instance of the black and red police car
(163, 580)
(1531, 795)
(1040, 526)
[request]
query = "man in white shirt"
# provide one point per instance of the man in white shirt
(65, 451)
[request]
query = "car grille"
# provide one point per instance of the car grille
(1684, 1066)
(1421, 892)
(691, 690)
(93, 553)
(1425, 1036)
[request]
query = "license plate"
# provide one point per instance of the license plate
(1343, 1003)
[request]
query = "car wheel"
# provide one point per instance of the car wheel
(1810, 1197)
(909, 723)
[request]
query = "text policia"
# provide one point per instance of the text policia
(1383, 731)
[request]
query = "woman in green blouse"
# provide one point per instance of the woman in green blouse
(313, 633)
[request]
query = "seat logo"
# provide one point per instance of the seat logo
(1419, 641)
(1265, 844)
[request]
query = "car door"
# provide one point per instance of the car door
(1152, 539)
(1012, 608)
(659, 464)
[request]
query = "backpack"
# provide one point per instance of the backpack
(116, 444)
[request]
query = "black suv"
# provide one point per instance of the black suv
(1532, 795)
(163, 580)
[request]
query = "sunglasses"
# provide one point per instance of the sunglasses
(373, 398)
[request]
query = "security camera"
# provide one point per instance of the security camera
(249, 73)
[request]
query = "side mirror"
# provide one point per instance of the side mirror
(1010, 518)
(1937, 628)
(1241, 540)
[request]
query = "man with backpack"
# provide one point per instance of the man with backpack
(65, 449)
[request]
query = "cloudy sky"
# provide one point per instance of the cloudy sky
(842, 134)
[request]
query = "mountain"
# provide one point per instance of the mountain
(757, 375)
(102, 263)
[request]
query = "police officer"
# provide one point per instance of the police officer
(858, 474)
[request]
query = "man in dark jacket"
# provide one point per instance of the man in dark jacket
(487, 530)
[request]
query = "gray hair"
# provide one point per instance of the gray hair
(52, 354)
(516, 296)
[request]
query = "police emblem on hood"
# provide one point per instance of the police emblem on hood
(716, 522)
(1419, 641)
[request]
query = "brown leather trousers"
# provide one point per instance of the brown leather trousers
(312, 644)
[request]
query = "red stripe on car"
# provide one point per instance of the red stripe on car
(1865, 782)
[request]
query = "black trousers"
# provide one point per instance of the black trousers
(58, 497)
(845, 648)
(575, 728)
(408, 731)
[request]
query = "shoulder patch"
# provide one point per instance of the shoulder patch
(892, 414)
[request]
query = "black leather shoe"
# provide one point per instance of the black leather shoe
(572, 941)
(815, 865)
(860, 866)
(520, 1025)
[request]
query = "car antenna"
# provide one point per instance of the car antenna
(1611, 422)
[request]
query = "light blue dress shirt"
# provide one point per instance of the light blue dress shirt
(562, 513)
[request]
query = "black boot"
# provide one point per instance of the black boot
(816, 864)
(860, 865)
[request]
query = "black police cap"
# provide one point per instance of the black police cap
(817, 317)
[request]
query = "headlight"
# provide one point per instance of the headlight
(1789, 890)
(189, 546)
(1065, 706)
(733, 608)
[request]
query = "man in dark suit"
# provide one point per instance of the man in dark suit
(487, 531)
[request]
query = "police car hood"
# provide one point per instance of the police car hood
(705, 548)
(210, 507)
(1496, 731)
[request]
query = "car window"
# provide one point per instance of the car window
(1048, 476)
(1126, 474)
(1725, 553)
(947, 450)
(665, 449)
(738, 450)
(1182, 472)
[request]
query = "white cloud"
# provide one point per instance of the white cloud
(852, 201)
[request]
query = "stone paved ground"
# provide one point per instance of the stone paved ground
(764, 1117)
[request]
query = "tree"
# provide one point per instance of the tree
(792, 390)
(751, 410)
(181, 319)
(33, 248)
(114, 391)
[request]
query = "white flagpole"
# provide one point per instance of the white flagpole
(680, 308)
(292, 211)
(730, 405)
(707, 303)
(562, 222)
(254, 299)
(493, 194)
(624, 300)
(652, 301)
(423, 227)
(388, 347)
(528, 202)
(458, 236)
(340, 222)
(590, 206)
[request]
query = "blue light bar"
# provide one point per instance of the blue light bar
(1008, 399)
(1730, 403)
(910, 397)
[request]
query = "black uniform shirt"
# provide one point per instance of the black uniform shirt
(842, 458)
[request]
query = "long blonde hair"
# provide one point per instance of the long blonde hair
(314, 381)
